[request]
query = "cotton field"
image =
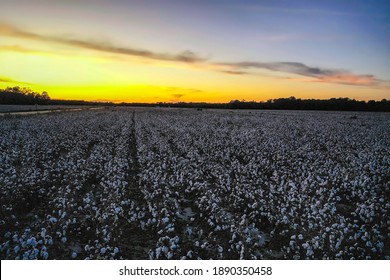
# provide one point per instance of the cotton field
(135, 183)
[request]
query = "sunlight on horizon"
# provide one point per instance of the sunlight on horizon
(217, 60)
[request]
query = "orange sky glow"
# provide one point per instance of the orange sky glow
(95, 64)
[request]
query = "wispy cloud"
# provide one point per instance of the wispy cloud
(235, 72)
(178, 95)
(9, 80)
(185, 56)
(299, 11)
(6, 80)
(350, 79)
(317, 74)
(20, 49)
(15, 48)
(287, 67)
(181, 91)
(320, 74)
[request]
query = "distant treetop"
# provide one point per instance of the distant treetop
(23, 96)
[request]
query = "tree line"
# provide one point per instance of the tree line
(332, 104)
(291, 103)
(23, 96)
(26, 96)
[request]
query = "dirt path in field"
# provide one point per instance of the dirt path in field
(44, 111)
(135, 242)
(132, 177)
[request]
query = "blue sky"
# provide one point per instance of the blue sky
(347, 40)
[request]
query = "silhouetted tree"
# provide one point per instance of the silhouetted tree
(23, 96)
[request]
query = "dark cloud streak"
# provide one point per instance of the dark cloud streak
(186, 56)
(287, 67)
(234, 72)
(9, 80)
(320, 74)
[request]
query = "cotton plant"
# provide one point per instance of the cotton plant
(26, 246)
(185, 184)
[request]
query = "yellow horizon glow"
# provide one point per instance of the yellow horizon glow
(69, 73)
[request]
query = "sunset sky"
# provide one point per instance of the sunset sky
(203, 50)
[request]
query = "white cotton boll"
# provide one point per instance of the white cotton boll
(165, 250)
(380, 245)
(74, 255)
(158, 252)
(309, 252)
(116, 250)
(49, 241)
(32, 242)
(16, 249)
(171, 229)
(34, 254)
(189, 254)
(64, 239)
(242, 253)
(300, 236)
(151, 254)
(45, 255)
(103, 250)
(169, 255)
